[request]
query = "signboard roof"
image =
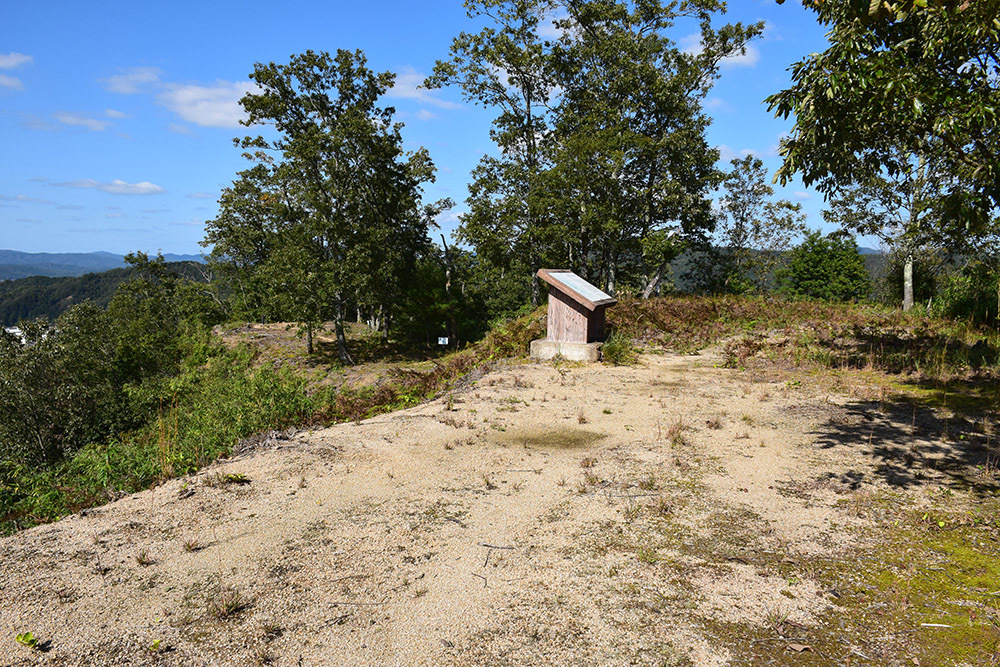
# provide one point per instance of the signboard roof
(576, 287)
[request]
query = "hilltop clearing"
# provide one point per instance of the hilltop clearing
(675, 512)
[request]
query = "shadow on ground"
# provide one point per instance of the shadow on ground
(920, 439)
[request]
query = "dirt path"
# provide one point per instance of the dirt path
(545, 515)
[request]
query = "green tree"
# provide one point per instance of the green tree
(334, 214)
(242, 238)
(901, 210)
(629, 144)
(754, 231)
(604, 166)
(901, 78)
(506, 67)
(826, 267)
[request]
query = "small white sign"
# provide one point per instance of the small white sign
(442, 340)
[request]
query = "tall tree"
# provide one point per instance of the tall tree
(826, 267)
(603, 156)
(754, 230)
(506, 66)
(335, 213)
(900, 78)
(901, 210)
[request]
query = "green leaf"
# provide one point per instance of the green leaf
(27, 639)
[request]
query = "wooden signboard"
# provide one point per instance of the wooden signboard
(576, 308)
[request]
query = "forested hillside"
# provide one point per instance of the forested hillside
(15, 264)
(49, 297)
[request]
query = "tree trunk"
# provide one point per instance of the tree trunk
(908, 282)
(309, 339)
(654, 282)
(612, 272)
(338, 325)
(452, 326)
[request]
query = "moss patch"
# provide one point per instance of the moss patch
(554, 438)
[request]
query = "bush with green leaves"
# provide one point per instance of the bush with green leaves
(619, 350)
(94, 373)
(971, 293)
(828, 268)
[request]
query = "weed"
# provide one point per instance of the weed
(588, 462)
(775, 619)
(143, 558)
(225, 602)
(220, 479)
(271, 630)
(647, 555)
(581, 417)
(714, 423)
(262, 657)
(649, 483)
(620, 350)
(191, 545)
(490, 486)
(562, 481)
(606, 411)
(27, 639)
(675, 433)
(419, 592)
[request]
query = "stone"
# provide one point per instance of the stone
(544, 350)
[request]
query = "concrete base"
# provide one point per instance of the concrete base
(544, 350)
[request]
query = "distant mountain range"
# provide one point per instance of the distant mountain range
(15, 264)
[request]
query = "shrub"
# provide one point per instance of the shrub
(972, 293)
(827, 268)
(619, 350)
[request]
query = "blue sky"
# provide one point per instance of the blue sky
(117, 118)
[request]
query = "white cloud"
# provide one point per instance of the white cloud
(113, 113)
(178, 128)
(691, 44)
(424, 114)
(12, 60)
(200, 195)
(132, 80)
(802, 195)
(727, 153)
(547, 28)
(79, 120)
(115, 187)
(448, 218)
(112, 216)
(408, 87)
(749, 58)
(208, 106)
(10, 82)
(717, 104)
(25, 199)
